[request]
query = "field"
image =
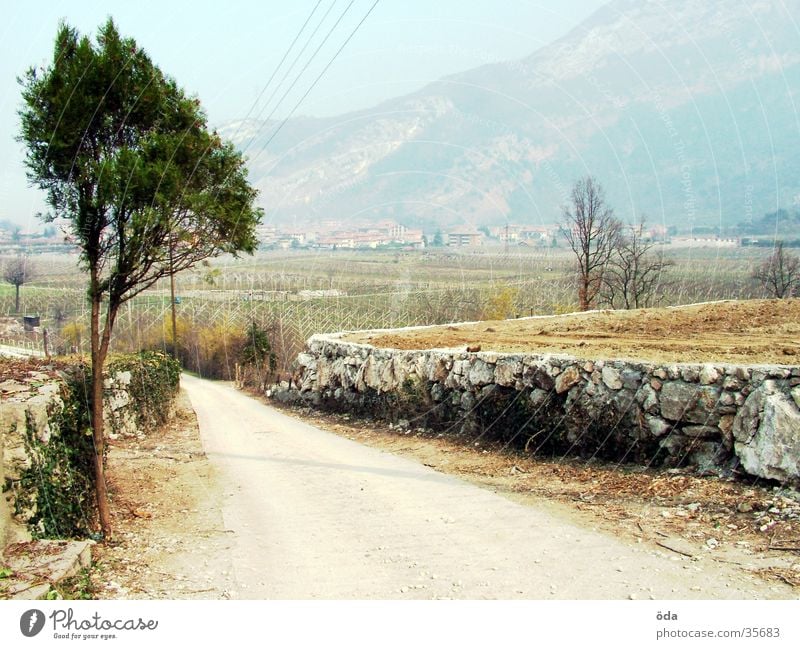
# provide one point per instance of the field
(297, 293)
(753, 331)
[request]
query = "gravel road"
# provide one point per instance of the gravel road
(315, 515)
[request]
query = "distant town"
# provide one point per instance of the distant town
(389, 234)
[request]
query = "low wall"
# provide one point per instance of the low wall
(46, 447)
(722, 418)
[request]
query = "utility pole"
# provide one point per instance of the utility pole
(172, 301)
(506, 248)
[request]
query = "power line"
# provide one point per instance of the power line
(305, 67)
(277, 67)
(288, 71)
(324, 70)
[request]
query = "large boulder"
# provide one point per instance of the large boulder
(689, 402)
(766, 433)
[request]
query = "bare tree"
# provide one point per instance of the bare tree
(779, 274)
(17, 271)
(635, 272)
(592, 231)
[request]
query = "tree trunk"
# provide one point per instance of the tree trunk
(16, 302)
(583, 294)
(98, 434)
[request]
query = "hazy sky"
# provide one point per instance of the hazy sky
(226, 52)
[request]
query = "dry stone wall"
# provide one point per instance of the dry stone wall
(722, 418)
(35, 415)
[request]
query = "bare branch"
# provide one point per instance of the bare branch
(779, 274)
(592, 231)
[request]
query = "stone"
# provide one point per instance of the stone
(481, 373)
(656, 384)
(437, 391)
(706, 455)
(623, 400)
(467, 401)
(726, 429)
(660, 373)
(674, 444)
(727, 399)
(658, 427)
(631, 379)
(567, 378)
(486, 392)
(766, 431)
(705, 432)
(507, 371)
(588, 367)
(708, 375)
(611, 377)
(796, 396)
(10, 387)
(648, 397)
(731, 383)
(690, 403)
(539, 397)
(690, 374)
(779, 373)
(539, 378)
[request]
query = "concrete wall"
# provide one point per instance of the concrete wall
(724, 418)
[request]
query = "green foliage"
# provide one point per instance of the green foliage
(79, 587)
(126, 156)
(210, 350)
(413, 398)
(257, 357)
(257, 349)
(58, 485)
(501, 304)
(155, 379)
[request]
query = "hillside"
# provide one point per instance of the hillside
(684, 110)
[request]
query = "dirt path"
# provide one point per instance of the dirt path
(314, 515)
(169, 539)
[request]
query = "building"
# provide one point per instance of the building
(464, 237)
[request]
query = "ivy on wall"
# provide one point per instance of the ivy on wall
(55, 494)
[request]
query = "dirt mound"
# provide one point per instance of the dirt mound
(742, 332)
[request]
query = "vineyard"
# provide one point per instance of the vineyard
(298, 293)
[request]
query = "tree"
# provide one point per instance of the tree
(634, 273)
(17, 271)
(257, 352)
(125, 156)
(501, 304)
(592, 232)
(779, 274)
(438, 239)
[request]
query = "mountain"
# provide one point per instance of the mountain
(684, 110)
